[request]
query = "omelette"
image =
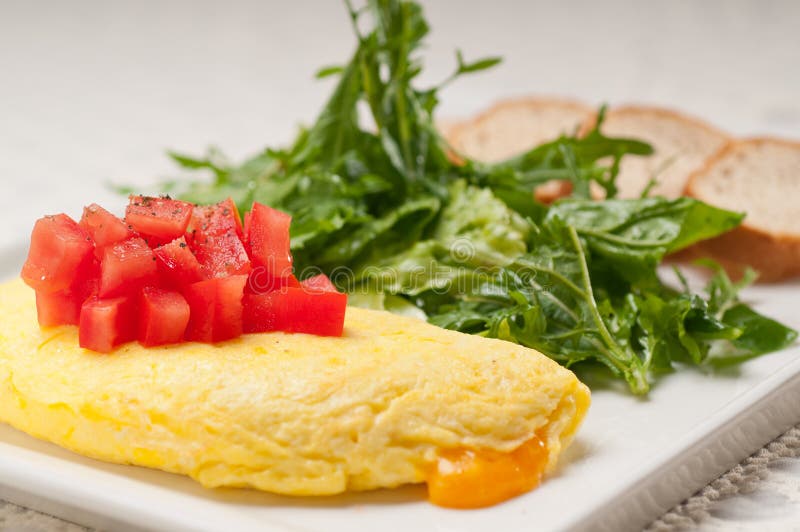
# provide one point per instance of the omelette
(393, 401)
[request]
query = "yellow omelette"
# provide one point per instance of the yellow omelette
(393, 401)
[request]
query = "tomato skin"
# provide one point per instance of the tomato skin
(295, 310)
(177, 264)
(60, 249)
(261, 281)
(106, 323)
(216, 308)
(127, 267)
(104, 228)
(163, 316)
(268, 237)
(319, 283)
(221, 255)
(158, 220)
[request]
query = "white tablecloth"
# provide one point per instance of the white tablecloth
(92, 92)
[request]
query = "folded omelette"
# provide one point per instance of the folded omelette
(394, 401)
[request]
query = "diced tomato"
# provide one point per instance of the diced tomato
(127, 267)
(64, 307)
(221, 255)
(177, 263)
(58, 308)
(104, 228)
(106, 323)
(59, 250)
(217, 219)
(260, 282)
(216, 308)
(263, 312)
(295, 310)
(246, 233)
(104, 276)
(320, 313)
(158, 220)
(268, 237)
(319, 283)
(163, 316)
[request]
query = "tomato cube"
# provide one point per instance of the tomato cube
(104, 228)
(260, 282)
(216, 308)
(158, 220)
(126, 267)
(163, 316)
(59, 250)
(64, 307)
(295, 310)
(177, 263)
(106, 323)
(268, 237)
(246, 233)
(221, 255)
(320, 313)
(222, 217)
(319, 283)
(263, 312)
(58, 308)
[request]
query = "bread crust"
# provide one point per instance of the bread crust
(663, 112)
(534, 102)
(775, 255)
(650, 112)
(550, 191)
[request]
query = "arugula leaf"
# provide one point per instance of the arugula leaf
(403, 225)
(475, 66)
(635, 235)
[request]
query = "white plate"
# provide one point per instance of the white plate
(632, 460)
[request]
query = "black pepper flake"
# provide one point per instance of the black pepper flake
(182, 244)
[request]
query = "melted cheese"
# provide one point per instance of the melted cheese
(466, 478)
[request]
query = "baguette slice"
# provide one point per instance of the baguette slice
(762, 178)
(512, 127)
(682, 145)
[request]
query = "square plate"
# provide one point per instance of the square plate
(632, 460)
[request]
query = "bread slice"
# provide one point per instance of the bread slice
(682, 145)
(512, 127)
(762, 178)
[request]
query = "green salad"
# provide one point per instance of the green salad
(402, 225)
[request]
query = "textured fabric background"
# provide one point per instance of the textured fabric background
(760, 494)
